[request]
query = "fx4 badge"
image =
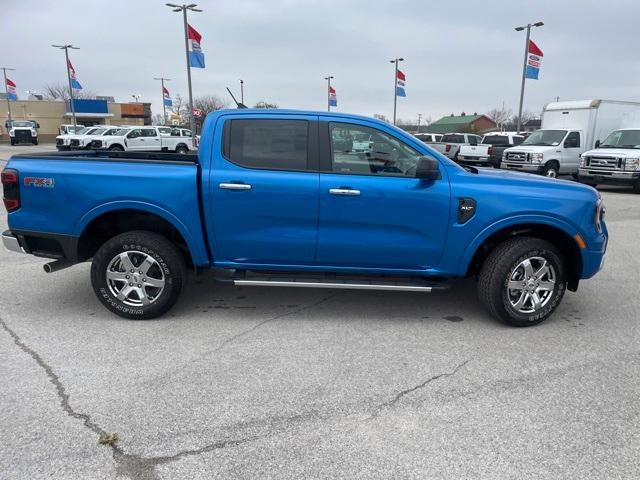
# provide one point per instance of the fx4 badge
(39, 182)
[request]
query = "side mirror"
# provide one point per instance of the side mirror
(597, 143)
(428, 169)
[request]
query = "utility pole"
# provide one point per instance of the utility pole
(328, 79)
(419, 118)
(242, 91)
(395, 86)
(66, 55)
(183, 9)
(164, 107)
(6, 90)
(524, 65)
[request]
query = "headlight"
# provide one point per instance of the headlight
(600, 213)
(11, 133)
(583, 161)
(34, 133)
(504, 156)
(537, 157)
(632, 164)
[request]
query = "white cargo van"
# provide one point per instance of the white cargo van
(568, 130)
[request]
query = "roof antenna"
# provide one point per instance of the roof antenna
(238, 104)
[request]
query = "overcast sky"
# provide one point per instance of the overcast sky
(460, 56)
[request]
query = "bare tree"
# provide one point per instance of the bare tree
(157, 119)
(263, 104)
(379, 116)
(60, 91)
(208, 104)
(502, 116)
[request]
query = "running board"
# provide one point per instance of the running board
(411, 285)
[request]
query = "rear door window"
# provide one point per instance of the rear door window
(269, 144)
(452, 138)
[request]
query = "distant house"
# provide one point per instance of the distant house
(475, 123)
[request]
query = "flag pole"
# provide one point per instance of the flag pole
(328, 79)
(192, 123)
(164, 107)
(6, 90)
(524, 67)
(395, 86)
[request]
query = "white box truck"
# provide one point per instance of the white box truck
(568, 130)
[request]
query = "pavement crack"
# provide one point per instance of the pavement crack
(54, 379)
(402, 393)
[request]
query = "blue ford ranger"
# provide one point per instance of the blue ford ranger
(282, 198)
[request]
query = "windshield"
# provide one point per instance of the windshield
(122, 132)
(82, 131)
(622, 139)
(22, 124)
(98, 131)
(452, 138)
(547, 138)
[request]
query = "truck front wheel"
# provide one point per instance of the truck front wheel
(138, 274)
(551, 170)
(522, 281)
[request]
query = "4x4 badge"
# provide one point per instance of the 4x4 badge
(39, 182)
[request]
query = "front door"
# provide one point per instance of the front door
(374, 213)
(264, 191)
(572, 148)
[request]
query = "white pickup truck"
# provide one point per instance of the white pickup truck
(615, 160)
(146, 139)
(83, 142)
(450, 143)
(63, 142)
(489, 152)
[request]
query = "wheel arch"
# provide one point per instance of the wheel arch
(556, 233)
(107, 221)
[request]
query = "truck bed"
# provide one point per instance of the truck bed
(101, 155)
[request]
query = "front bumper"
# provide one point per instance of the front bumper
(11, 242)
(523, 167)
(610, 177)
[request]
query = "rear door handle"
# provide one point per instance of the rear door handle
(235, 186)
(349, 192)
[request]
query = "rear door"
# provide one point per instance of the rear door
(374, 213)
(264, 190)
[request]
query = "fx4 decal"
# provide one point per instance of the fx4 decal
(39, 182)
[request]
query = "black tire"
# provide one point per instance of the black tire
(551, 170)
(182, 149)
(116, 148)
(498, 270)
(35, 142)
(166, 265)
(636, 186)
(13, 142)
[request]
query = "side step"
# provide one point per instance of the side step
(399, 284)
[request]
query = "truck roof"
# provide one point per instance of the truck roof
(578, 104)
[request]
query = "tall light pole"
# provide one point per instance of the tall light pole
(395, 86)
(164, 108)
(66, 55)
(328, 79)
(6, 90)
(524, 65)
(183, 9)
(242, 91)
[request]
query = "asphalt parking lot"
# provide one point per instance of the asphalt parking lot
(254, 383)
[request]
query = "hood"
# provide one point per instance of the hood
(514, 178)
(532, 148)
(613, 152)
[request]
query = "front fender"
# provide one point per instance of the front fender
(194, 241)
(489, 230)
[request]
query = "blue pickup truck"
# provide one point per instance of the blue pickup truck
(282, 198)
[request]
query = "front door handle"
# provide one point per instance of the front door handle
(349, 192)
(235, 186)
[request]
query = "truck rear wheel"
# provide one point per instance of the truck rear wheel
(522, 281)
(138, 274)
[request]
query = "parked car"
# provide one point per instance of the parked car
(450, 143)
(270, 201)
(63, 142)
(22, 131)
(145, 139)
(83, 141)
(428, 137)
(489, 151)
(614, 161)
(568, 130)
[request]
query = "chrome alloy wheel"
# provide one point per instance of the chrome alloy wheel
(135, 278)
(551, 173)
(531, 285)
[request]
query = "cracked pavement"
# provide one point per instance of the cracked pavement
(267, 383)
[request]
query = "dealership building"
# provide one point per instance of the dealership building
(51, 114)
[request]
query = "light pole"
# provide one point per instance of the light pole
(66, 55)
(164, 107)
(395, 86)
(242, 91)
(524, 65)
(328, 79)
(6, 90)
(183, 9)
(419, 118)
